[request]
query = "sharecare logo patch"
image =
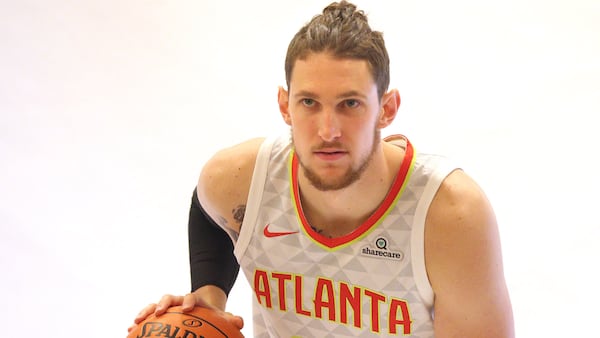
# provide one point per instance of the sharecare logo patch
(381, 250)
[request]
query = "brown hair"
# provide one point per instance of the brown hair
(344, 31)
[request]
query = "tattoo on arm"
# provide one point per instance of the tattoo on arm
(238, 213)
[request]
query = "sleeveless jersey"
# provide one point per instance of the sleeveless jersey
(369, 283)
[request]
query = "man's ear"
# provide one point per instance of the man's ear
(390, 103)
(283, 100)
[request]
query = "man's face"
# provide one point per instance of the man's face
(333, 110)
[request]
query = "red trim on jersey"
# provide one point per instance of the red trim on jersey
(392, 195)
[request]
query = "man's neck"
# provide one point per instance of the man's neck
(338, 212)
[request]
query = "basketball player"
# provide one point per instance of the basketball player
(341, 233)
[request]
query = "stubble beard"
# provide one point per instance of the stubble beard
(351, 175)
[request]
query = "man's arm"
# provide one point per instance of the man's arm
(224, 184)
(216, 216)
(213, 269)
(222, 192)
(464, 263)
(213, 266)
(211, 256)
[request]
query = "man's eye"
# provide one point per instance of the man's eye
(351, 103)
(308, 102)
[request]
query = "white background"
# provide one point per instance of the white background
(108, 109)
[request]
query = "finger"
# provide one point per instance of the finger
(201, 301)
(192, 300)
(235, 320)
(188, 303)
(129, 329)
(166, 302)
(144, 313)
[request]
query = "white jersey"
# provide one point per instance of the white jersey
(369, 283)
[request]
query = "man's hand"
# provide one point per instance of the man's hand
(208, 296)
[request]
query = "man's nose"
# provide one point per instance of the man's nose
(329, 126)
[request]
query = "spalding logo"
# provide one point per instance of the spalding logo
(159, 329)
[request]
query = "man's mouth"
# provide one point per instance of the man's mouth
(330, 154)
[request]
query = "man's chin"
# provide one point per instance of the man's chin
(327, 183)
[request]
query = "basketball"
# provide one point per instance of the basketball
(198, 323)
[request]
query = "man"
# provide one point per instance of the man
(341, 233)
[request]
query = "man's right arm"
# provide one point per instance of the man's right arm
(213, 269)
(216, 215)
(222, 192)
(224, 184)
(213, 266)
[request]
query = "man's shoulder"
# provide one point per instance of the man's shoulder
(232, 166)
(225, 179)
(237, 157)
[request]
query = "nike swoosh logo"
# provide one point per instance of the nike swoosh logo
(271, 234)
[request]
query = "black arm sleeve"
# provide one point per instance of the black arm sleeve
(212, 261)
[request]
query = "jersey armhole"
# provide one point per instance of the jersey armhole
(259, 176)
(418, 234)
